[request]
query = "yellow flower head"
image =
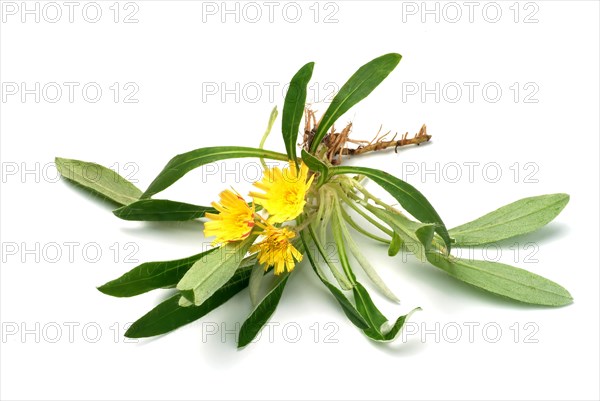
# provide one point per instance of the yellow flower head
(276, 249)
(284, 192)
(234, 220)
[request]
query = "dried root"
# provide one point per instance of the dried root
(335, 142)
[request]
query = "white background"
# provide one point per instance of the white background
(172, 54)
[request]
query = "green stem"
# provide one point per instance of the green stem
(338, 236)
(375, 199)
(360, 257)
(358, 210)
(361, 230)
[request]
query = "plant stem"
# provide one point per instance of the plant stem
(338, 236)
(358, 210)
(361, 230)
(375, 199)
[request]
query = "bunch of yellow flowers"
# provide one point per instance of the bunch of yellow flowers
(283, 198)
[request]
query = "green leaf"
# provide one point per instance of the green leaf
(369, 311)
(415, 237)
(377, 321)
(316, 165)
(349, 309)
(261, 314)
(181, 164)
(517, 218)
(169, 316)
(161, 210)
(358, 87)
(408, 196)
(210, 273)
(99, 179)
(293, 108)
(153, 275)
(505, 280)
(150, 276)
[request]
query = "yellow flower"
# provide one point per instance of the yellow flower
(276, 249)
(284, 192)
(234, 221)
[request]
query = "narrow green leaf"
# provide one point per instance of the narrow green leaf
(99, 179)
(150, 276)
(169, 316)
(505, 280)
(316, 165)
(153, 275)
(415, 237)
(358, 87)
(293, 108)
(369, 311)
(261, 313)
(181, 164)
(517, 218)
(161, 210)
(211, 272)
(408, 196)
(349, 309)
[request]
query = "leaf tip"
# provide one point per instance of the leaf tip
(106, 289)
(118, 212)
(132, 332)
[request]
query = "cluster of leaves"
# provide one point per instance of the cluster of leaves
(220, 273)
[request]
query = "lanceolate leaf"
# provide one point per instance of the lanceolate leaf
(369, 311)
(169, 316)
(161, 210)
(505, 280)
(181, 164)
(358, 87)
(517, 218)
(210, 273)
(150, 276)
(261, 314)
(153, 275)
(99, 179)
(408, 196)
(293, 108)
